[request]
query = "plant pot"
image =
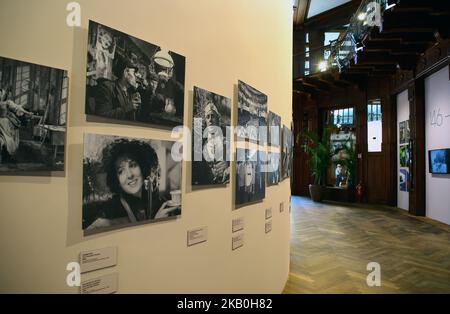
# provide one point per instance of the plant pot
(316, 192)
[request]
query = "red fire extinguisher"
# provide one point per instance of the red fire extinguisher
(360, 190)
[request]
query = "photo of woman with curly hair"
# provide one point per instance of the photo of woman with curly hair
(128, 181)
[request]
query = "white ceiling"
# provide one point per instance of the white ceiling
(320, 6)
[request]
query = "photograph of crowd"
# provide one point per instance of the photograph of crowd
(250, 177)
(133, 80)
(211, 152)
(287, 152)
(252, 113)
(274, 124)
(33, 107)
(128, 181)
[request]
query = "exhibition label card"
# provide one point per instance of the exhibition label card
(237, 241)
(196, 236)
(238, 224)
(101, 285)
(98, 259)
(281, 207)
(269, 213)
(268, 226)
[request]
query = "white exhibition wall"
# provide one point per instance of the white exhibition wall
(40, 217)
(437, 135)
(402, 115)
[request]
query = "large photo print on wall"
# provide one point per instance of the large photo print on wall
(133, 80)
(128, 181)
(252, 114)
(286, 153)
(250, 176)
(211, 153)
(274, 125)
(33, 107)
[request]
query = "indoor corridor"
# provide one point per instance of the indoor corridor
(331, 246)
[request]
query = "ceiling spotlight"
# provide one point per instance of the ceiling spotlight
(323, 66)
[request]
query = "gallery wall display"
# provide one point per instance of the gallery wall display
(404, 155)
(340, 139)
(250, 177)
(274, 125)
(211, 151)
(33, 107)
(133, 80)
(127, 181)
(252, 113)
(274, 171)
(286, 153)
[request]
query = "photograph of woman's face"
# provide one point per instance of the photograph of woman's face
(129, 174)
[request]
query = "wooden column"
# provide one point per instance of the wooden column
(416, 97)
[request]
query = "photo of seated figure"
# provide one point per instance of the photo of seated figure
(33, 106)
(129, 79)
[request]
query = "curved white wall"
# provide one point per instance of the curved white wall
(437, 135)
(40, 217)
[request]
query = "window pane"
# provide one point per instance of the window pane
(374, 126)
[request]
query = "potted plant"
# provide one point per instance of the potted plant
(319, 150)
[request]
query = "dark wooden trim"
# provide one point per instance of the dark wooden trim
(416, 97)
(394, 171)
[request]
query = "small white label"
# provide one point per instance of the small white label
(281, 207)
(237, 241)
(268, 226)
(101, 285)
(98, 259)
(196, 236)
(269, 213)
(237, 224)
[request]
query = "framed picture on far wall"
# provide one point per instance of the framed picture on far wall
(128, 181)
(286, 153)
(33, 117)
(273, 168)
(132, 80)
(404, 180)
(250, 176)
(273, 126)
(404, 132)
(252, 113)
(211, 148)
(404, 156)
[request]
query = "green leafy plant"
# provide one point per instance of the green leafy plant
(319, 150)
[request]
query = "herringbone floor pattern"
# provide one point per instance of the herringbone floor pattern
(331, 246)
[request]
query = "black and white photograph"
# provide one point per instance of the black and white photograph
(132, 80)
(274, 125)
(273, 169)
(33, 113)
(252, 113)
(404, 132)
(128, 181)
(211, 153)
(250, 177)
(287, 153)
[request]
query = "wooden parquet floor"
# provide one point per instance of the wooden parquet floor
(331, 246)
